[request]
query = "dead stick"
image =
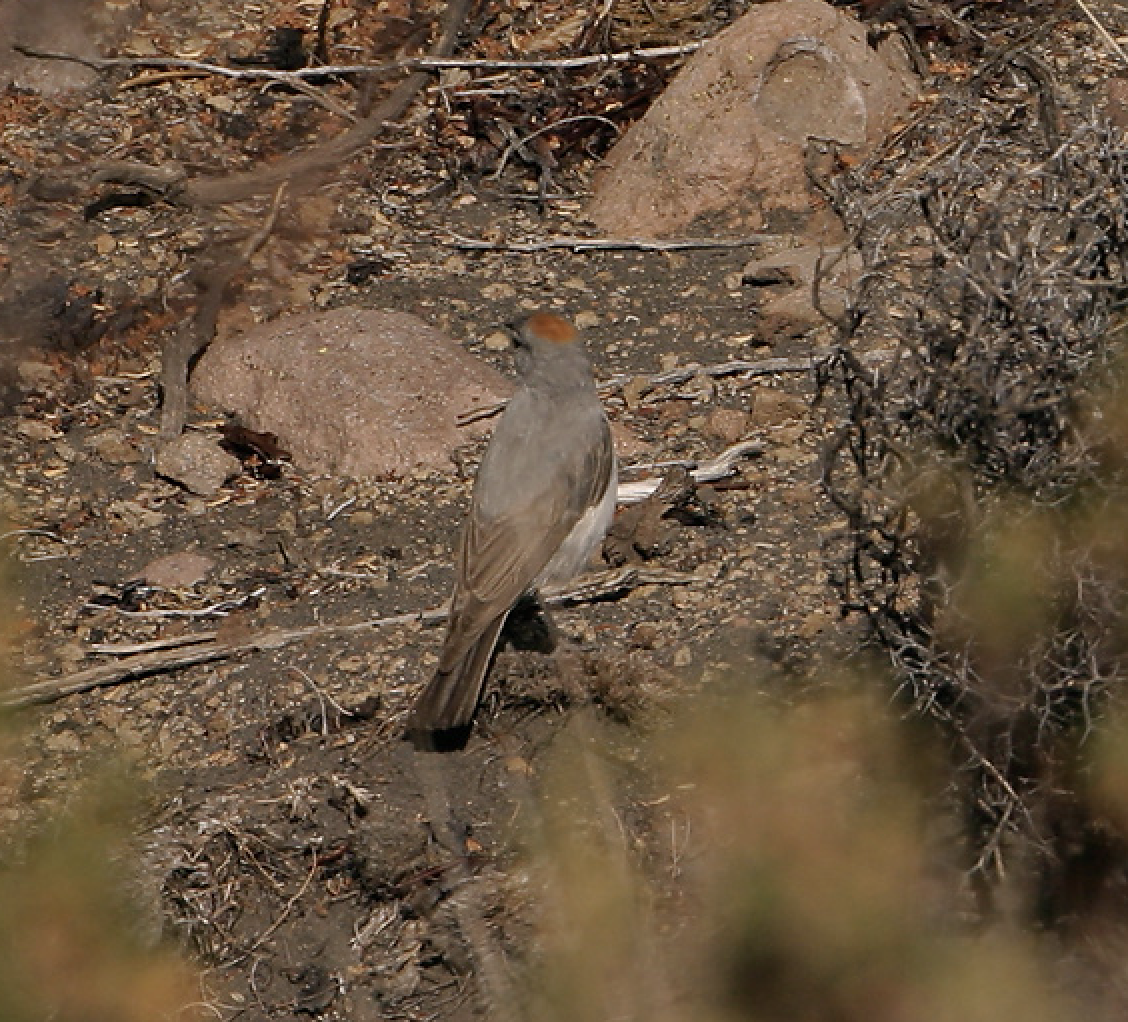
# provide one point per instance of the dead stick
(762, 367)
(153, 645)
(133, 668)
(435, 62)
(603, 244)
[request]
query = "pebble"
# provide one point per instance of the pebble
(34, 429)
(177, 571)
(197, 463)
(727, 424)
(499, 291)
(773, 407)
(114, 448)
(496, 341)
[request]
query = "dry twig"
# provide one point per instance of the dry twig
(435, 62)
(601, 244)
(211, 649)
(672, 377)
(720, 467)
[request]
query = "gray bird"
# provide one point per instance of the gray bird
(543, 501)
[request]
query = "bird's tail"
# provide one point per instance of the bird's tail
(441, 716)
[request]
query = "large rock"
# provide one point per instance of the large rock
(352, 391)
(730, 131)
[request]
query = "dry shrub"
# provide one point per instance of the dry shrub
(981, 468)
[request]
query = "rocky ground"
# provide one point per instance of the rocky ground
(313, 862)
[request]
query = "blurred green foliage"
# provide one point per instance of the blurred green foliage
(800, 881)
(71, 945)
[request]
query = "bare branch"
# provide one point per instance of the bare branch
(600, 244)
(149, 664)
(425, 64)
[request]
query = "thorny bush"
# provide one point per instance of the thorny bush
(980, 470)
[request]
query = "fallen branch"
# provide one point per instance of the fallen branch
(739, 367)
(171, 642)
(762, 367)
(723, 465)
(45, 533)
(435, 62)
(601, 244)
(143, 665)
(220, 609)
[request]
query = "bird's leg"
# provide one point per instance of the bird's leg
(529, 627)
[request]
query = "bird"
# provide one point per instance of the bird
(543, 500)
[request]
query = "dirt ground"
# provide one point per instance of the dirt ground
(304, 853)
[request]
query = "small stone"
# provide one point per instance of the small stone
(36, 374)
(1117, 101)
(645, 635)
(518, 765)
(814, 624)
(113, 448)
(497, 341)
(586, 320)
(63, 742)
(34, 429)
(499, 291)
(683, 657)
(177, 571)
(727, 424)
(634, 390)
(197, 463)
(799, 496)
(134, 515)
(793, 454)
(104, 244)
(773, 407)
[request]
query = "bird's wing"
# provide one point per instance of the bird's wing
(499, 557)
